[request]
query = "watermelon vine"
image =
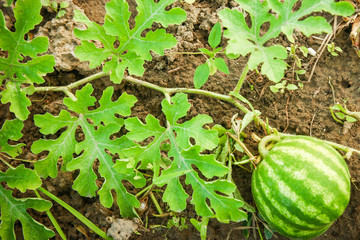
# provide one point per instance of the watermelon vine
(149, 154)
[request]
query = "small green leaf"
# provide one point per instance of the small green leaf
(274, 89)
(291, 87)
(304, 50)
(201, 75)
(338, 49)
(300, 72)
(215, 35)
(221, 65)
(60, 13)
(350, 119)
(246, 120)
(336, 107)
(54, 5)
(340, 115)
(205, 51)
(17, 97)
(46, 3)
(64, 4)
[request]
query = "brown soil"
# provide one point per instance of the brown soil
(304, 111)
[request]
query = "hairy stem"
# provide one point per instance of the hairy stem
(242, 78)
(66, 89)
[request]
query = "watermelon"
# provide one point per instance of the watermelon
(301, 186)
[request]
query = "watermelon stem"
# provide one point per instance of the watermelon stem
(265, 141)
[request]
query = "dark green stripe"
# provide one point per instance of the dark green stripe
(304, 193)
(275, 211)
(314, 149)
(319, 157)
(316, 145)
(323, 180)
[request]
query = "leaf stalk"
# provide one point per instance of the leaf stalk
(78, 215)
(242, 79)
(53, 220)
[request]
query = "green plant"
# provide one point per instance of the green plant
(289, 198)
(17, 73)
(178, 222)
(297, 66)
(152, 154)
(333, 50)
(341, 114)
(281, 86)
(280, 17)
(58, 8)
(213, 63)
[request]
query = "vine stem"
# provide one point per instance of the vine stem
(168, 91)
(66, 89)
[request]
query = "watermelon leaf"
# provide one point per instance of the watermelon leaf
(21, 178)
(13, 209)
(184, 154)
(280, 17)
(134, 47)
(16, 71)
(11, 130)
(97, 126)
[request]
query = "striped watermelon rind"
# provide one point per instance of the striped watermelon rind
(301, 186)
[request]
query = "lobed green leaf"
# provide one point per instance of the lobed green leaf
(13, 209)
(187, 140)
(11, 130)
(21, 178)
(97, 125)
(15, 68)
(133, 46)
(280, 17)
